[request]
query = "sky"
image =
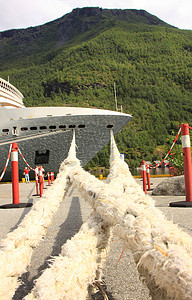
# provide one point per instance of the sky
(27, 13)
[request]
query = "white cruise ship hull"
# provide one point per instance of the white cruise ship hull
(44, 134)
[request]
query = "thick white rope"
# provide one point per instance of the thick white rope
(70, 273)
(162, 251)
(17, 247)
(79, 264)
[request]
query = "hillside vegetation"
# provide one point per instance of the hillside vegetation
(77, 64)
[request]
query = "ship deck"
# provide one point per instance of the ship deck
(122, 279)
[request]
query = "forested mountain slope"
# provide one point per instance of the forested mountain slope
(76, 59)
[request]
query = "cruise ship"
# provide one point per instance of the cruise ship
(44, 134)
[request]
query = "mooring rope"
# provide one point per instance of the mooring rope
(80, 263)
(161, 250)
(17, 247)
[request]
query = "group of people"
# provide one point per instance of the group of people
(27, 170)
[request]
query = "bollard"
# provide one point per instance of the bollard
(148, 178)
(48, 175)
(52, 177)
(37, 183)
(15, 173)
(15, 181)
(170, 171)
(186, 146)
(41, 181)
(144, 176)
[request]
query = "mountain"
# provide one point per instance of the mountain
(70, 28)
(76, 59)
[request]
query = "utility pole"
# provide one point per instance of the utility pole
(115, 97)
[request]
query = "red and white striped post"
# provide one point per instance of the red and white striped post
(48, 175)
(186, 145)
(15, 173)
(148, 178)
(144, 176)
(37, 183)
(15, 181)
(52, 177)
(41, 181)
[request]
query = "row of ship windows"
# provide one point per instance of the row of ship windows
(51, 127)
(8, 88)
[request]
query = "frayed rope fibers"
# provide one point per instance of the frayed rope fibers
(162, 251)
(77, 267)
(17, 247)
(72, 273)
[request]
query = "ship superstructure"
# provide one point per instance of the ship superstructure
(9, 95)
(44, 134)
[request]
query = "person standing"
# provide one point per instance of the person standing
(37, 170)
(26, 173)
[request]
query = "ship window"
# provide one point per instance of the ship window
(41, 157)
(42, 127)
(81, 126)
(109, 126)
(72, 126)
(5, 130)
(15, 131)
(62, 126)
(33, 128)
(24, 128)
(52, 127)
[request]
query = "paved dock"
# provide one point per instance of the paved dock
(121, 281)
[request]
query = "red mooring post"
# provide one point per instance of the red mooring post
(15, 181)
(48, 175)
(52, 177)
(15, 173)
(148, 178)
(41, 181)
(186, 145)
(144, 176)
(37, 183)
